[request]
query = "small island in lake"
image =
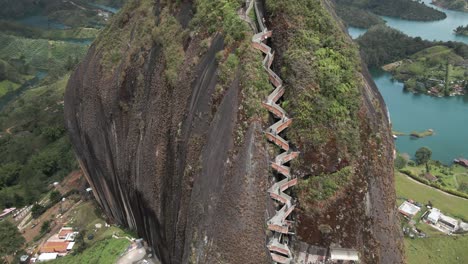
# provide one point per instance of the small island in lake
(461, 30)
(426, 133)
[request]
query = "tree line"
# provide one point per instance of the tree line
(382, 45)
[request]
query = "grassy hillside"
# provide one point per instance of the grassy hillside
(103, 252)
(437, 250)
(34, 150)
(20, 30)
(432, 67)
(40, 53)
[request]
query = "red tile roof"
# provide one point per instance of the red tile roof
(64, 232)
(54, 247)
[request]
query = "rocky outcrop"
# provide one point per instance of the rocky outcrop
(176, 157)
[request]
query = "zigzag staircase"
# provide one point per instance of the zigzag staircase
(279, 223)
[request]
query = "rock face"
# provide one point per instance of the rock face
(176, 158)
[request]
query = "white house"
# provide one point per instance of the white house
(47, 256)
(434, 216)
(343, 254)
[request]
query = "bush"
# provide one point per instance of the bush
(45, 227)
(55, 196)
(37, 210)
(400, 162)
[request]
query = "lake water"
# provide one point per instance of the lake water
(447, 116)
(433, 30)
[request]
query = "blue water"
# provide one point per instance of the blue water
(447, 116)
(42, 22)
(432, 30)
(105, 8)
(355, 32)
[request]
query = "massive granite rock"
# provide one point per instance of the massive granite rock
(176, 159)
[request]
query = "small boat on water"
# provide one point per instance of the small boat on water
(395, 136)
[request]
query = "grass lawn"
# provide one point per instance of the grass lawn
(437, 249)
(450, 205)
(103, 252)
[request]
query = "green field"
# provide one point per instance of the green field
(437, 249)
(448, 204)
(103, 252)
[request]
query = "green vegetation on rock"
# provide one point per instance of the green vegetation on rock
(320, 68)
(322, 187)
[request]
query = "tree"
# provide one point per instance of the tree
(423, 155)
(9, 173)
(37, 210)
(400, 162)
(55, 196)
(45, 227)
(11, 239)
